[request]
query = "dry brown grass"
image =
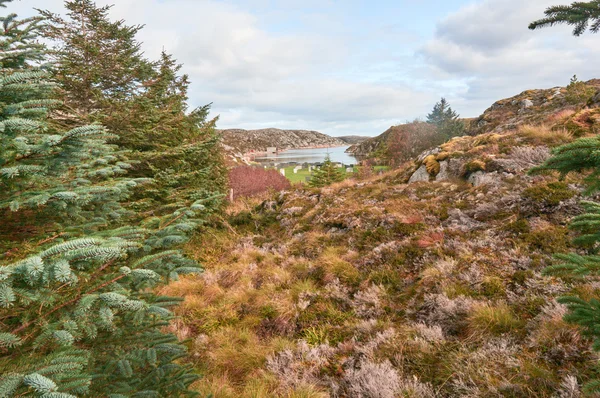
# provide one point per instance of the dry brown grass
(340, 268)
(468, 143)
(224, 311)
(247, 203)
(495, 319)
(560, 116)
(187, 285)
(544, 135)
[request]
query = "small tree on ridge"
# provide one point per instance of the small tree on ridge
(445, 119)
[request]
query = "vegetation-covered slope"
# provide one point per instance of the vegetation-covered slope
(384, 288)
(531, 106)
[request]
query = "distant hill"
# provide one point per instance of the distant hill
(238, 142)
(353, 139)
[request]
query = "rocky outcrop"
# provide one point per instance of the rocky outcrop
(461, 159)
(514, 135)
(528, 107)
(244, 141)
(420, 175)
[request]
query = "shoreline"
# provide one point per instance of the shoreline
(249, 155)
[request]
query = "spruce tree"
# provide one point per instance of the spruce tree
(580, 14)
(98, 62)
(144, 102)
(445, 119)
(578, 92)
(581, 155)
(79, 316)
(326, 175)
(179, 148)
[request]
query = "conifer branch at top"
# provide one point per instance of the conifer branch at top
(581, 15)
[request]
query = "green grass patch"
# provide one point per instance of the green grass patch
(300, 176)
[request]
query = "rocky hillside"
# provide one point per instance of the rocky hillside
(353, 139)
(369, 146)
(531, 106)
(424, 282)
(244, 141)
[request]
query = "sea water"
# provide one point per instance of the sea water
(310, 155)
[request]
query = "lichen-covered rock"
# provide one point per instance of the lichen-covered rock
(482, 178)
(293, 211)
(595, 100)
(526, 103)
(420, 175)
(424, 155)
(455, 167)
(443, 172)
(522, 158)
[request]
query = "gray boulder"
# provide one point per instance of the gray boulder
(481, 178)
(443, 174)
(526, 103)
(433, 151)
(459, 221)
(595, 101)
(420, 175)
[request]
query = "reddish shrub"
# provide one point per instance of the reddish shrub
(409, 140)
(249, 181)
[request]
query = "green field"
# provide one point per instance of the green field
(301, 175)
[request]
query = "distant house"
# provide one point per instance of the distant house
(271, 150)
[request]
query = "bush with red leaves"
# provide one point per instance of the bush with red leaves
(250, 181)
(408, 140)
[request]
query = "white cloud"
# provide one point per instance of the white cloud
(489, 47)
(257, 78)
(322, 72)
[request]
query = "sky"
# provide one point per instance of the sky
(353, 67)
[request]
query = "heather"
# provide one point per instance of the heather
(391, 285)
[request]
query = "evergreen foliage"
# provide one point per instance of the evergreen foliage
(445, 119)
(580, 14)
(107, 80)
(79, 317)
(178, 148)
(581, 155)
(326, 175)
(99, 62)
(578, 92)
